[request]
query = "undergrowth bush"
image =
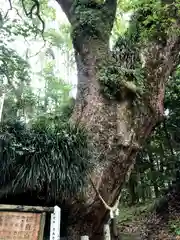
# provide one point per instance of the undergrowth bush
(55, 161)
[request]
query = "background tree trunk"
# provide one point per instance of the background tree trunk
(132, 187)
(154, 175)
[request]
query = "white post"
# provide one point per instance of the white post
(2, 105)
(84, 238)
(55, 224)
(107, 234)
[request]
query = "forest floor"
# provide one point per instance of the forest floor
(131, 219)
(139, 218)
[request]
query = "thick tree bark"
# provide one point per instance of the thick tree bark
(118, 128)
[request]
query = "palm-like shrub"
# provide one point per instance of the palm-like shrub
(54, 161)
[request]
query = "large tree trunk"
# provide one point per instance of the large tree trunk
(118, 128)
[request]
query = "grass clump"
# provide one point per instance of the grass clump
(54, 161)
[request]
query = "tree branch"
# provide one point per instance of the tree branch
(35, 6)
(66, 7)
(10, 8)
(155, 46)
(160, 63)
(111, 6)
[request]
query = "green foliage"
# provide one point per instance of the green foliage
(85, 23)
(119, 82)
(90, 21)
(16, 28)
(110, 79)
(174, 226)
(15, 77)
(67, 109)
(48, 12)
(14, 70)
(48, 155)
(152, 20)
(38, 13)
(55, 96)
(53, 161)
(130, 214)
(61, 38)
(12, 66)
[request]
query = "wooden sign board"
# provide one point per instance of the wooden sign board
(21, 226)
